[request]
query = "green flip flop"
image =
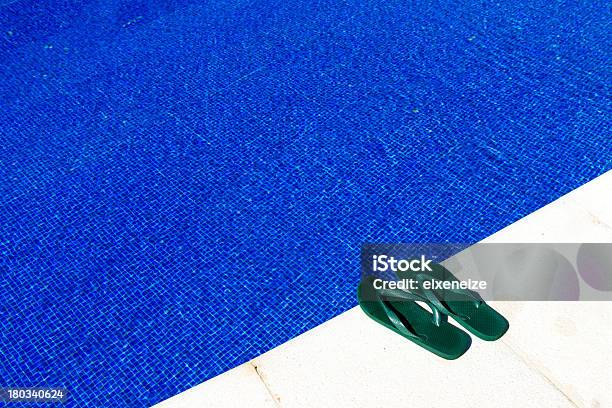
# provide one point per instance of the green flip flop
(397, 310)
(465, 306)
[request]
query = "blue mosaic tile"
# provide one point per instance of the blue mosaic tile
(185, 185)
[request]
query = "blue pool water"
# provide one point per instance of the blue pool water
(185, 185)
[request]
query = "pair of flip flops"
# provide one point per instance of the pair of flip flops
(397, 310)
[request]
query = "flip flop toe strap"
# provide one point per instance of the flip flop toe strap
(435, 298)
(386, 295)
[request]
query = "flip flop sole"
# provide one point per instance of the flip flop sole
(483, 321)
(446, 340)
